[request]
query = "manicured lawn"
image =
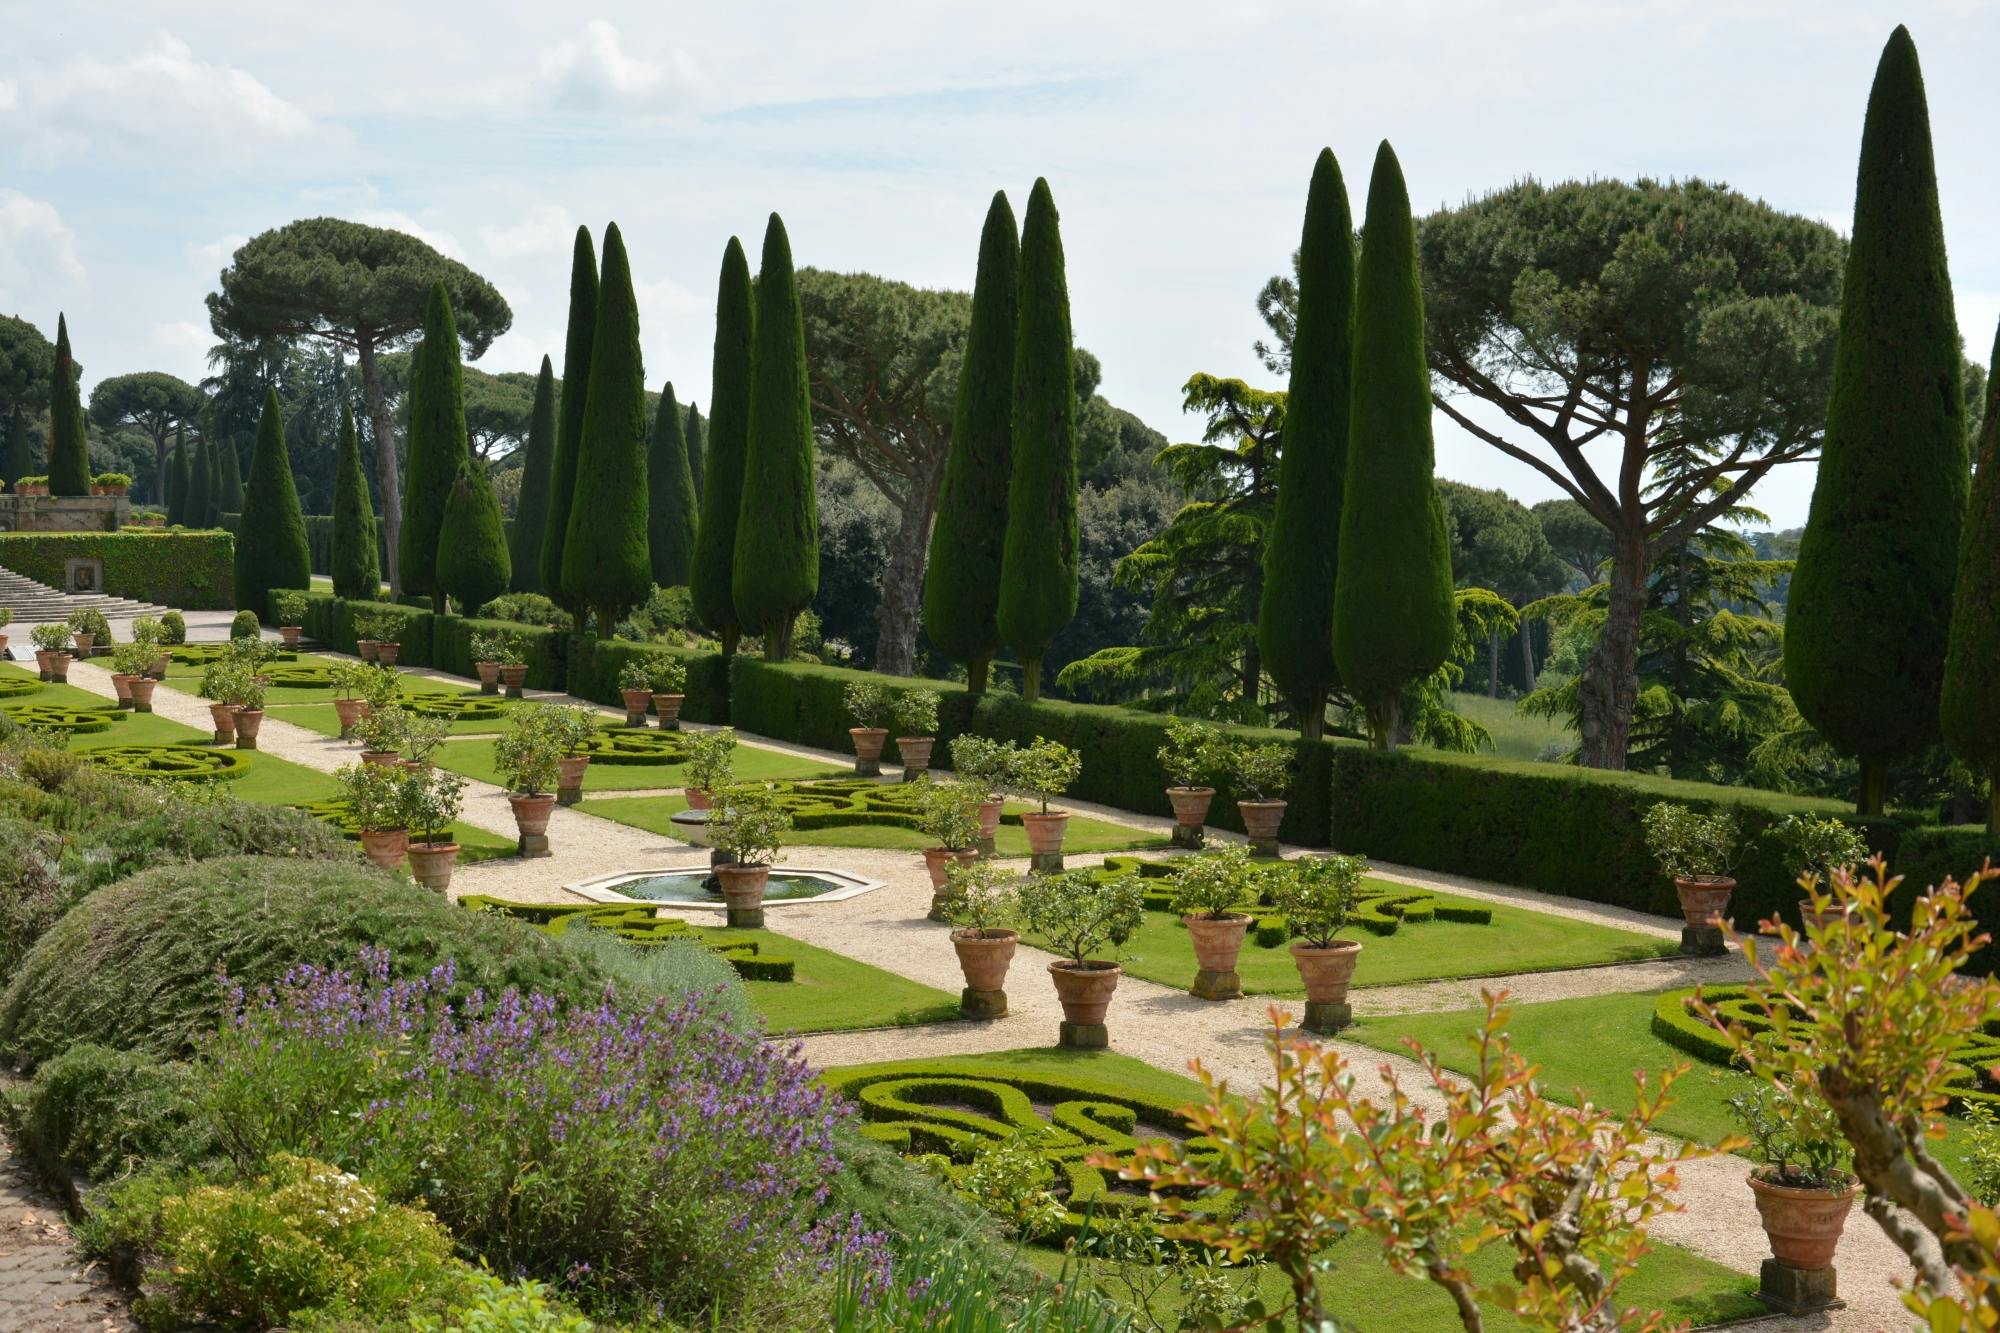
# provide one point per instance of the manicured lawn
(1515, 734)
(832, 993)
(474, 758)
(320, 716)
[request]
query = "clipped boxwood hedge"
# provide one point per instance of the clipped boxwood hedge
(594, 665)
(194, 571)
(330, 620)
(642, 926)
(544, 650)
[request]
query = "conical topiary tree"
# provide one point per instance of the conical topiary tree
(569, 424)
(69, 449)
(437, 441)
(671, 522)
(1393, 613)
(605, 562)
(232, 479)
(199, 469)
(1038, 567)
(693, 433)
(728, 422)
(357, 564)
(211, 450)
(776, 571)
(1295, 618)
(271, 547)
(531, 506)
(17, 451)
(177, 478)
(473, 564)
(1970, 710)
(1869, 610)
(962, 578)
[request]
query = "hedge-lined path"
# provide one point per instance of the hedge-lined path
(45, 1286)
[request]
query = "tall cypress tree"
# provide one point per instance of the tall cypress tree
(271, 540)
(437, 443)
(212, 458)
(776, 571)
(1038, 567)
(693, 434)
(1869, 611)
(728, 421)
(357, 564)
(1970, 709)
(198, 492)
(232, 479)
(962, 578)
(531, 507)
(473, 565)
(1393, 612)
(1295, 619)
(177, 478)
(69, 449)
(569, 428)
(672, 516)
(605, 562)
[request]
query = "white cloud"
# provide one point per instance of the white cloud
(216, 253)
(546, 230)
(443, 242)
(35, 245)
(596, 72)
(182, 335)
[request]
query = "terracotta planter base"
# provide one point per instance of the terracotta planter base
(982, 1003)
(868, 742)
(1703, 902)
(534, 846)
(513, 677)
(667, 707)
(569, 795)
(1325, 1016)
(1798, 1291)
(989, 828)
(1260, 823)
(1083, 1036)
(1703, 941)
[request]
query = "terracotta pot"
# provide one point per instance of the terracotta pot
(43, 662)
(432, 863)
(83, 642)
(1326, 972)
(142, 694)
(489, 676)
(697, 798)
(1085, 988)
(59, 666)
(915, 752)
(989, 818)
(1217, 942)
(290, 634)
(158, 670)
(571, 767)
(513, 674)
(248, 720)
(122, 683)
(385, 758)
(1190, 805)
(743, 886)
(224, 717)
(1803, 1225)
(668, 707)
(385, 847)
(365, 649)
(385, 653)
(636, 704)
(868, 742)
(938, 859)
(531, 812)
(350, 712)
(3, 643)
(1045, 832)
(985, 955)
(1261, 819)
(1704, 898)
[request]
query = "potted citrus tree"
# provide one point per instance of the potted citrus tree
(421, 738)
(487, 650)
(751, 833)
(290, 606)
(711, 761)
(432, 799)
(246, 703)
(218, 683)
(1801, 1183)
(89, 631)
(377, 804)
(867, 703)
(668, 680)
(1193, 753)
(51, 661)
(1261, 774)
(1317, 896)
(572, 728)
(529, 758)
(1815, 850)
(979, 903)
(949, 812)
(635, 686)
(365, 641)
(1207, 891)
(1040, 772)
(350, 682)
(146, 631)
(130, 662)
(387, 650)
(381, 734)
(1696, 851)
(111, 483)
(513, 669)
(1077, 914)
(988, 765)
(917, 719)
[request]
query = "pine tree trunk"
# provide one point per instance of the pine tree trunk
(976, 672)
(1610, 683)
(903, 577)
(387, 475)
(1493, 664)
(1874, 796)
(1312, 717)
(1527, 659)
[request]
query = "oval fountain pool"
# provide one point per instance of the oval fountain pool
(693, 886)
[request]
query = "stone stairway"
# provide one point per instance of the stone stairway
(36, 603)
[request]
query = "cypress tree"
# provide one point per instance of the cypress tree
(1295, 618)
(438, 446)
(728, 420)
(357, 564)
(232, 480)
(776, 570)
(569, 427)
(605, 562)
(1393, 611)
(271, 540)
(1869, 611)
(212, 456)
(177, 479)
(198, 493)
(692, 428)
(69, 449)
(1971, 696)
(962, 578)
(18, 458)
(671, 517)
(531, 508)
(1038, 569)
(473, 565)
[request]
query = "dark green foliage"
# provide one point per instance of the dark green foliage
(333, 621)
(231, 500)
(473, 565)
(672, 509)
(775, 572)
(17, 447)
(438, 446)
(1295, 619)
(531, 508)
(594, 666)
(696, 451)
(1038, 574)
(355, 567)
(605, 562)
(69, 450)
(27, 360)
(540, 648)
(200, 491)
(212, 451)
(104, 1112)
(1393, 612)
(962, 583)
(194, 571)
(728, 422)
(177, 479)
(1971, 693)
(271, 540)
(569, 427)
(1870, 606)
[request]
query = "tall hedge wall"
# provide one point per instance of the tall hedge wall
(594, 665)
(544, 650)
(192, 571)
(330, 620)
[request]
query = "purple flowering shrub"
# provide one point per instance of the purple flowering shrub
(649, 1156)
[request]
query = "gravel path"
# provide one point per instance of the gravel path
(45, 1286)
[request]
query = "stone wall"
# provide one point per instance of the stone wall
(64, 513)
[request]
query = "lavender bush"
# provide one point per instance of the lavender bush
(657, 1158)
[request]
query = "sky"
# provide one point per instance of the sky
(141, 141)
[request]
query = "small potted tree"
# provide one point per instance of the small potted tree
(219, 680)
(88, 630)
(529, 758)
(1040, 772)
(1190, 758)
(146, 631)
(51, 661)
(513, 666)
(867, 703)
(979, 902)
(246, 700)
(988, 765)
(129, 662)
(421, 738)
(376, 802)
(572, 728)
(1261, 774)
(1801, 1184)
(381, 734)
(751, 834)
(669, 684)
(1815, 850)
(711, 763)
(350, 681)
(635, 686)
(387, 650)
(290, 606)
(1078, 913)
(365, 641)
(917, 718)
(111, 483)
(432, 799)
(1207, 891)
(949, 812)
(1317, 896)
(1696, 852)
(487, 650)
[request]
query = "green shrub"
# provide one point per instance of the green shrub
(594, 665)
(175, 568)
(527, 608)
(243, 625)
(173, 628)
(543, 651)
(339, 624)
(105, 1113)
(90, 620)
(505, 1307)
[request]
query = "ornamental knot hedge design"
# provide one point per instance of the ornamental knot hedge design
(621, 745)
(461, 707)
(65, 718)
(918, 1107)
(177, 763)
(1380, 909)
(14, 687)
(643, 927)
(201, 654)
(1677, 1023)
